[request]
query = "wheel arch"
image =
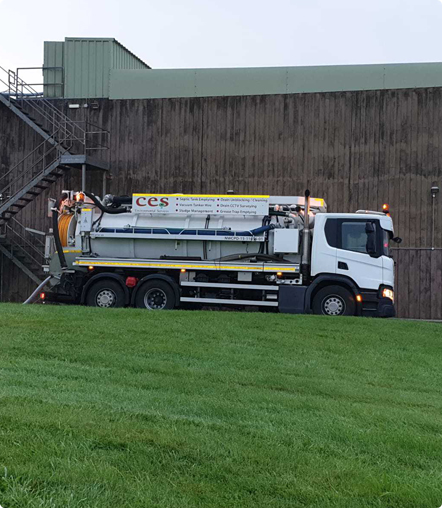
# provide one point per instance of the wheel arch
(101, 276)
(158, 276)
(330, 279)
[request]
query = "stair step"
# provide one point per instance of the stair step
(43, 187)
(46, 179)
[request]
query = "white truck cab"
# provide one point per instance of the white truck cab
(353, 248)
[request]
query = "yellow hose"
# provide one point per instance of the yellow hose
(63, 227)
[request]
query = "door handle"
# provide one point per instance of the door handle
(342, 265)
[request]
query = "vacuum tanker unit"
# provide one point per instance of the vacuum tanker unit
(164, 251)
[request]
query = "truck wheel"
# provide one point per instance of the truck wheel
(105, 293)
(334, 301)
(155, 295)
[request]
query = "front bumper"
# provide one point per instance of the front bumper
(374, 306)
(386, 308)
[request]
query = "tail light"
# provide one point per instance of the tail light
(131, 282)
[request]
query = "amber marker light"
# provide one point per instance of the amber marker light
(279, 274)
(183, 270)
(386, 209)
(359, 298)
(90, 268)
(79, 197)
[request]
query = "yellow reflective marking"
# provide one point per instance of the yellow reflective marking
(201, 267)
(201, 196)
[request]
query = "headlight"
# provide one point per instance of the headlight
(388, 293)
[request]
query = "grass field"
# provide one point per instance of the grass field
(126, 408)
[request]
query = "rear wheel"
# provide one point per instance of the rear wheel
(334, 301)
(155, 295)
(105, 293)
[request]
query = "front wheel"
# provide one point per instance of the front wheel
(155, 295)
(334, 301)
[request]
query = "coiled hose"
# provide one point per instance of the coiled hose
(57, 239)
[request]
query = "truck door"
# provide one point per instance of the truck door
(359, 251)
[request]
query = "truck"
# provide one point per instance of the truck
(271, 253)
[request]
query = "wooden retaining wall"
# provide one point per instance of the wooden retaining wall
(355, 149)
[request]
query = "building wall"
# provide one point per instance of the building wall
(356, 149)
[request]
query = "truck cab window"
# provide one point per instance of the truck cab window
(354, 237)
(386, 237)
(331, 232)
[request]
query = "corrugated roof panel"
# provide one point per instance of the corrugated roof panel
(53, 57)
(164, 83)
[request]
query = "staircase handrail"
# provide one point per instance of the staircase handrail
(28, 170)
(56, 119)
(22, 161)
(28, 244)
(23, 228)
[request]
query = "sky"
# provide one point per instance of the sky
(230, 33)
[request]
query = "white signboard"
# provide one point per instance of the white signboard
(188, 204)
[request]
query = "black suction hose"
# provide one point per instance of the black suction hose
(279, 214)
(105, 209)
(58, 245)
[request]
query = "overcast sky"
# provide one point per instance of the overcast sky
(230, 33)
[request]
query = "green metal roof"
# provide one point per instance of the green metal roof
(86, 63)
(162, 83)
(104, 68)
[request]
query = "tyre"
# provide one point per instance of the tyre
(334, 301)
(155, 295)
(105, 293)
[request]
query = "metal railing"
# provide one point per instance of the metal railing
(33, 165)
(46, 83)
(58, 125)
(20, 240)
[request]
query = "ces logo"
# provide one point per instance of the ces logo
(152, 202)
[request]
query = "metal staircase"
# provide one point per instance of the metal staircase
(24, 249)
(66, 144)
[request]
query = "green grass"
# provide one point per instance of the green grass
(126, 408)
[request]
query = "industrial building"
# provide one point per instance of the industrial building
(358, 136)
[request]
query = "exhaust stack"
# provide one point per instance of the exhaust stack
(305, 265)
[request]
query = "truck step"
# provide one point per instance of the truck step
(222, 301)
